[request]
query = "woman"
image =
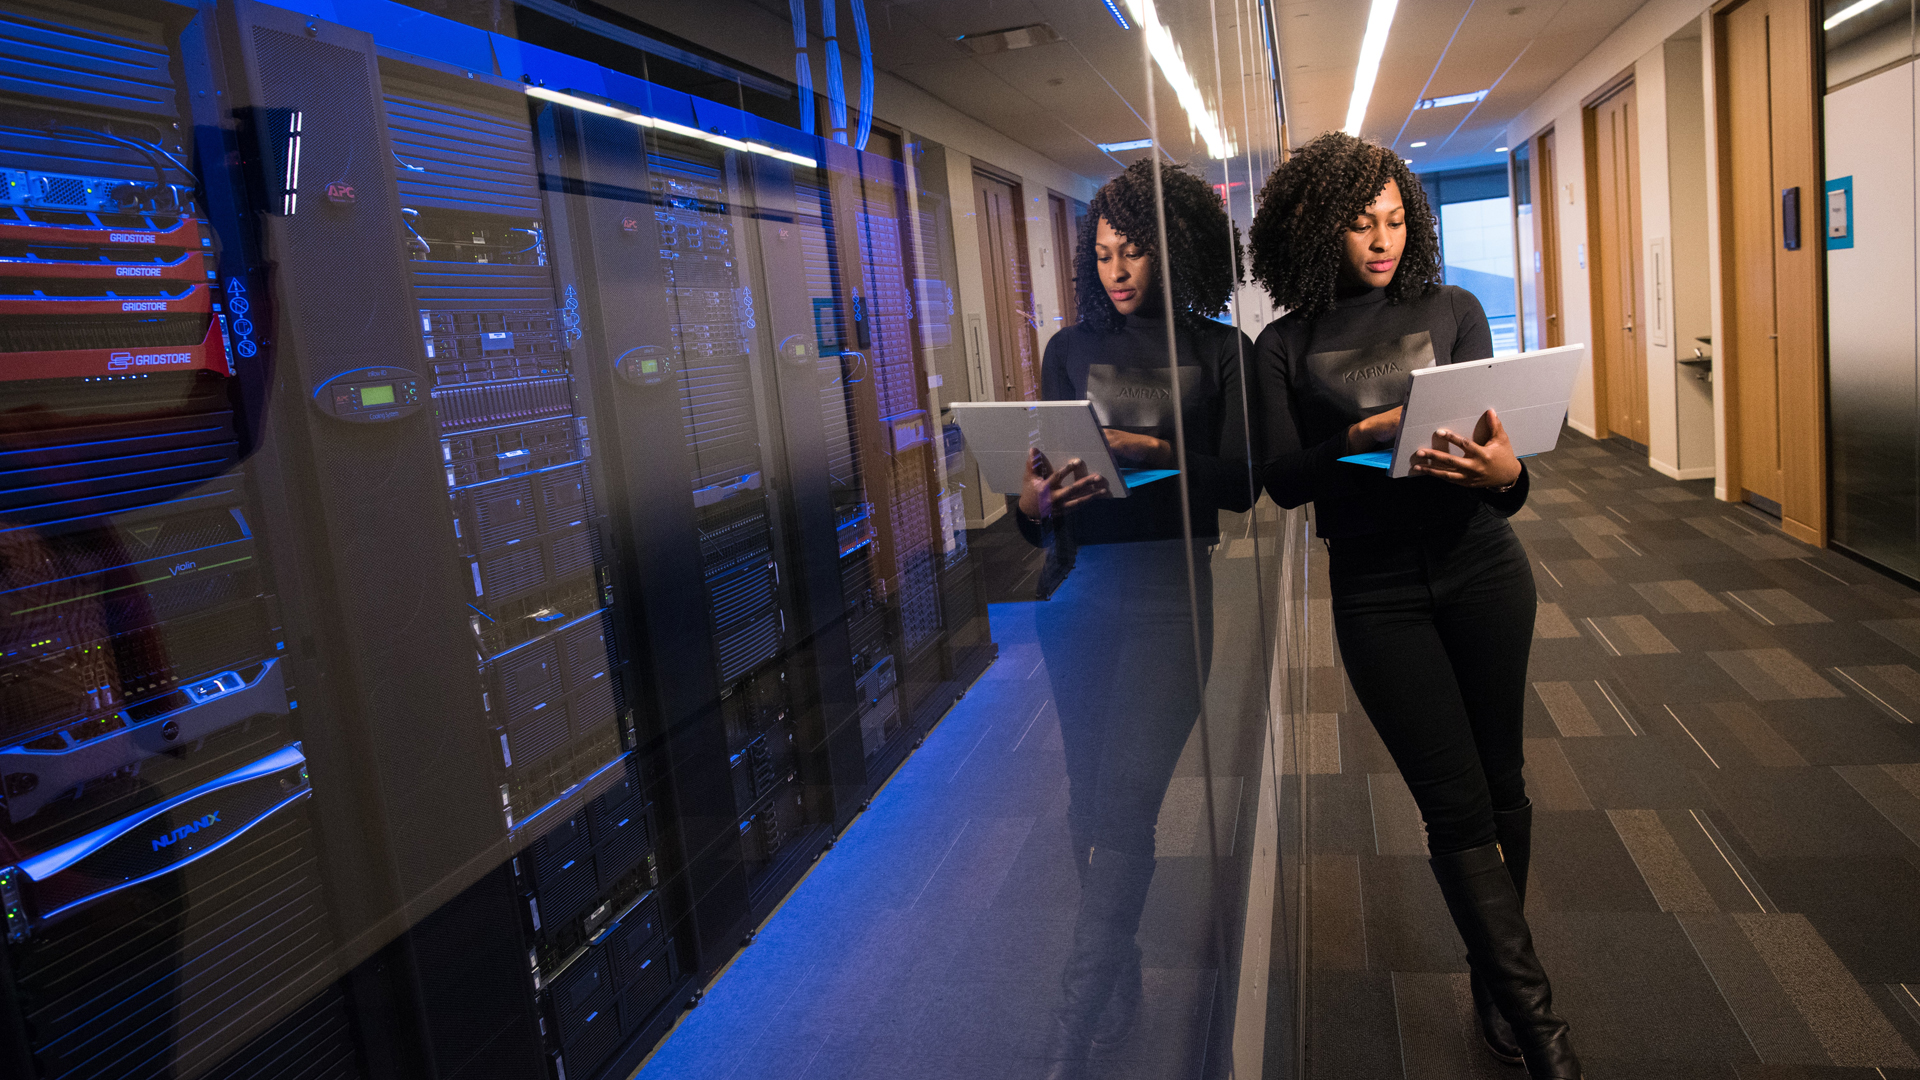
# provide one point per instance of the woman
(1119, 633)
(1433, 595)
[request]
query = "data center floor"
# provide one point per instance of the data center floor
(929, 942)
(1722, 755)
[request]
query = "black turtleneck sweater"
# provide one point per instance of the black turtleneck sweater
(1317, 377)
(1126, 376)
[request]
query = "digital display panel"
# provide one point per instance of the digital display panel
(376, 395)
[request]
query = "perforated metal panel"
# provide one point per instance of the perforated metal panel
(99, 59)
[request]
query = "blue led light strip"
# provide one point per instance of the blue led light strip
(1113, 9)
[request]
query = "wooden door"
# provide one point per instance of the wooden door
(1003, 256)
(1546, 224)
(1065, 233)
(1613, 195)
(1773, 356)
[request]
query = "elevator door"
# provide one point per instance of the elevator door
(1613, 134)
(1009, 282)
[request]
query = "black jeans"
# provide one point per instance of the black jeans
(1435, 629)
(1118, 641)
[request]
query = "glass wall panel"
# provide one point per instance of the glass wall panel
(555, 541)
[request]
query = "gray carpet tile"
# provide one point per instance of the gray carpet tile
(1723, 751)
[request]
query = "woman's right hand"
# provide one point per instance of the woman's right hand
(1374, 430)
(1045, 489)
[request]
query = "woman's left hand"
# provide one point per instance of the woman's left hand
(1484, 461)
(1140, 451)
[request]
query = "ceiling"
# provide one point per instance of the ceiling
(1063, 97)
(1515, 49)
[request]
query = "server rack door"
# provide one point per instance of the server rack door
(830, 755)
(607, 257)
(366, 491)
(161, 893)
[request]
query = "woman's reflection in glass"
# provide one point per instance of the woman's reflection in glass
(1118, 634)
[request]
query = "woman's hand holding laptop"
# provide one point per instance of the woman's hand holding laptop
(1045, 489)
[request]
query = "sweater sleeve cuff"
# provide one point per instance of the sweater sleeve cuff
(1031, 530)
(1508, 503)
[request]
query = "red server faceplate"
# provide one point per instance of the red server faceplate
(187, 266)
(209, 355)
(191, 300)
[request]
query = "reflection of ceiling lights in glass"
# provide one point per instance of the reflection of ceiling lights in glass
(1114, 10)
(1200, 119)
(1848, 12)
(1417, 145)
(1372, 47)
(1451, 99)
(604, 109)
(1116, 147)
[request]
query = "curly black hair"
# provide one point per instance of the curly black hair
(1205, 246)
(1299, 232)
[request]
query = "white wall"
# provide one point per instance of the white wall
(1656, 228)
(1688, 251)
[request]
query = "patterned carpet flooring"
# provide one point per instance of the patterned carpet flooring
(1723, 753)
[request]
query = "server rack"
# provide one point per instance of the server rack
(725, 500)
(482, 727)
(939, 616)
(516, 447)
(164, 910)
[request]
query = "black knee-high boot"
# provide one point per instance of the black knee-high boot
(1486, 909)
(1111, 898)
(1116, 1023)
(1514, 831)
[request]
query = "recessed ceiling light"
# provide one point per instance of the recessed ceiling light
(1372, 47)
(1016, 37)
(1417, 145)
(1116, 147)
(1451, 99)
(1848, 12)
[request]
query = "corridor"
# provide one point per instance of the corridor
(1723, 757)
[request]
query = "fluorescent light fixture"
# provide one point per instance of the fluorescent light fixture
(1499, 149)
(1451, 99)
(618, 113)
(1848, 12)
(1200, 119)
(1114, 11)
(1116, 147)
(1417, 145)
(1372, 47)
